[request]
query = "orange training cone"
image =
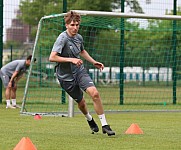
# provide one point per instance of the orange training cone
(37, 117)
(134, 129)
(25, 144)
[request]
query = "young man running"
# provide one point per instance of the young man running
(71, 73)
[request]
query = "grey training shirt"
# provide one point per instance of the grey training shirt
(16, 65)
(67, 46)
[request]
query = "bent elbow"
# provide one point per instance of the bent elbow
(50, 59)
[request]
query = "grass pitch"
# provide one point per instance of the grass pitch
(162, 130)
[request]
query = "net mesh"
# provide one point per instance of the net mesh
(141, 58)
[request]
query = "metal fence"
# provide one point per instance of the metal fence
(19, 19)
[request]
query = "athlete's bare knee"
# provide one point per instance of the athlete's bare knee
(93, 92)
(95, 95)
(8, 89)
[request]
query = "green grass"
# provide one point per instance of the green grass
(162, 131)
(45, 99)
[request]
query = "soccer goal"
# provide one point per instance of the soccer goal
(141, 57)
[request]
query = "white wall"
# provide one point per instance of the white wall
(132, 74)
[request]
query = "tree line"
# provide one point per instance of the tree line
(150, 45)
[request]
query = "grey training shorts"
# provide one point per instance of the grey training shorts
(79, 84)
(5, 79)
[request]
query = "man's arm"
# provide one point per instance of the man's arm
(97, 64)
(18, 78)
(12, 78)
(55, 58)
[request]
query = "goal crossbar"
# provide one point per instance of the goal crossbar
(127, 15)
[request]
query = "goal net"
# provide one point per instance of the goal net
(141, 54)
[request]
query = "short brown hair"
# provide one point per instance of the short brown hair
(29, 58)
(72, 16)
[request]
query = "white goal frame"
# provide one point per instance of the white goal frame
(89, 13)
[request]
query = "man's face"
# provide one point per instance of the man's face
(28, 62)
(72, 28)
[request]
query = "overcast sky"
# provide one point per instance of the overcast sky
(159, 6)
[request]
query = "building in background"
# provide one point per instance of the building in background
(148, 1)
(18, 31)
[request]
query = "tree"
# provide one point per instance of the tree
(33, 10)
(102, 5)
(161, 44)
